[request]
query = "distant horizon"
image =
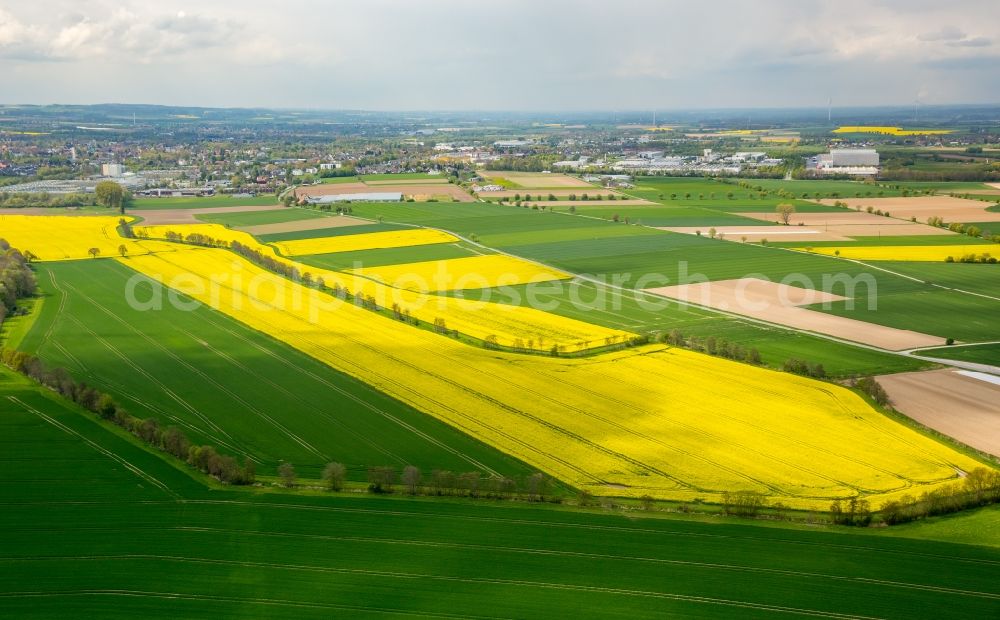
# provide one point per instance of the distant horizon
(555, 55)
(636, 110)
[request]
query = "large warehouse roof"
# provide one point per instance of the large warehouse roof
(361, 197)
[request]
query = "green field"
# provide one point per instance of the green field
(941, 187)
(256, 218)
(701, 190)
(979, 353)
(95, 526)
(402, 176)
(328, 232)
(671, 216)
(973, 277)
(231, 387)
(201, 202)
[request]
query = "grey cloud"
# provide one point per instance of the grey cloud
(973, 63)
(947, 33)
(973, 42)
(570, 54)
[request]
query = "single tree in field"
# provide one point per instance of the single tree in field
(333, 475)
(286, 471)
(785, 212)
(711, 233)
(94, 252)
(111, 195)
(122, 250)
(411, 478)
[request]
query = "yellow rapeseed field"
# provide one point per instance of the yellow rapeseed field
(70, 237)
(925, 253)
(364, 241)
(509, 325)
(891, 131)
(652, 420)
(456, 274)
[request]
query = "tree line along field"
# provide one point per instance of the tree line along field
(95, 524)
(220, 382)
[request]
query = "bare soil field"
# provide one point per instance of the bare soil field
(338, 221)
(779, 303)
(417, 191)
(950, 402)
(536, 180)
(187, 216)
(544, 193)
(852, 224)
(923, 207)
(756, 233)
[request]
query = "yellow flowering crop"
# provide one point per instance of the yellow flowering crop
(509, 325)
(653, 420)
(891, 131)
(454, 274)
(68, 237)
(926, 253)
(364, 241)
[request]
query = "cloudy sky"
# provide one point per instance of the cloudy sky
(505, 55)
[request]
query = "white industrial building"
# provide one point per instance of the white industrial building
(854, 162)
(360, 197)
(112, 170)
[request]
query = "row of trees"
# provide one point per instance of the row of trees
(440, 482)
(713, 346)
(170, 439)
(964, 229)
(980, 487)
(985, 257)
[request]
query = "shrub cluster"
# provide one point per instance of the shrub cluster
(872, 388)
(171, 439)
(802, 367)
(857, 512)
(17, 281)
